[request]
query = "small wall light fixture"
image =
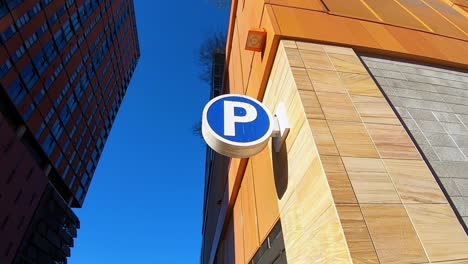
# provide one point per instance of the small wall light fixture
(255, 40)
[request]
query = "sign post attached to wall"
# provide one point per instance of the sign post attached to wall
(239, 126)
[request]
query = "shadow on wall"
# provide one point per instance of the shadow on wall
(280, 170)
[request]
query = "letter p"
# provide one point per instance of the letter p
(230, 118)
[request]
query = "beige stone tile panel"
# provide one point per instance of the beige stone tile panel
(374, 110)
(370, 181)
(316, 59)
(462, 261)
(393, 235)
(296, 116)
(278, 74)
(440, 232)
(414, 181)
(352, 139)
(307, 203)
(302, 79)
(338, 180)
(360, 84)
(338, 107)
(322, 242)
(357, 235)
(323, 137)
(339, 50)
(309, 46)
(294, 164)
(326, 81)
(347, 63)
(289, 44)
(294, 57)
(311, 104)
(392, 142)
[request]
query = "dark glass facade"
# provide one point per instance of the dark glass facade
(65, 66)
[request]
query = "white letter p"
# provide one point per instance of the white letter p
(230, 119)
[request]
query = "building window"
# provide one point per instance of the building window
(17, 92)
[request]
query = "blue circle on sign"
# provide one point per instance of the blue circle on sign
(239, 119)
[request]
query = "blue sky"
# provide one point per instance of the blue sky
(145, 202)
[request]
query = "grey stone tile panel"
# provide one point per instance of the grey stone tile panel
(430, 126)
(389, 90)
(423, 95)
(394, 100)
(419, 137)
(462, 186)
(392, 74)
(463, 119)
(454, 129)
(388, 66)
(449, 154)
(423, 104)
(461, 203)
(451, 169)
(421, 114)
(446, 117)
(440, 140)
(450, 186)
(460, 140)
(411, 124)
(453, 99)
(451, 91)
(465, 151)
(403, 112)
(459, 109)
(430, 154)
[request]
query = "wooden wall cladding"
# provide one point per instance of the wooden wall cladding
(358, 190)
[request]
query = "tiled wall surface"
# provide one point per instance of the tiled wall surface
(433, 103)
(357, 189)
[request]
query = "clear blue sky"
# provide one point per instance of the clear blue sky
(145, 202)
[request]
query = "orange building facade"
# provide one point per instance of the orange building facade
(375, 167)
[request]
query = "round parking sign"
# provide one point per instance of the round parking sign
(236, 125)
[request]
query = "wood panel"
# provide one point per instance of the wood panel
(249, 214)
(238, 223)
(353, 8)
(392, 12)
(265, 193)
(306, 4)
(431, 18)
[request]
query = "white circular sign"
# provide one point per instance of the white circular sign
(236, 126)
